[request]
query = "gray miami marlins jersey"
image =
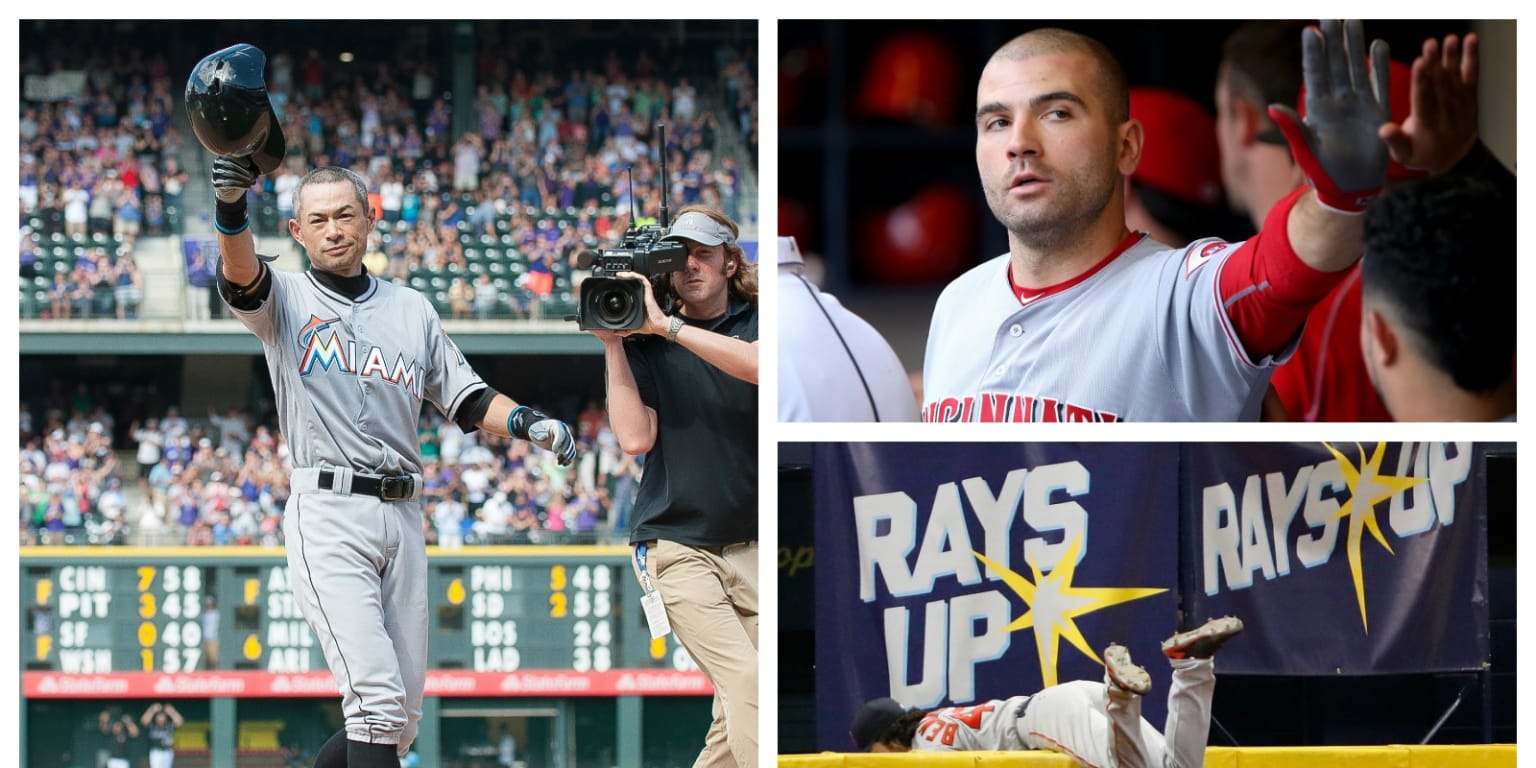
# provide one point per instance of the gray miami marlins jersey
(1143, 338)
(990, 725)
(350, 375)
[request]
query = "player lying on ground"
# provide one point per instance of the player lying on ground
(1096, 724)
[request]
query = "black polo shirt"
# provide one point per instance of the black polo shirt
(700, 482)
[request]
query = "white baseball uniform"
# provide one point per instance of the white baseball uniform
(350, 376)
(1096, 724)
(1143, 336)
(833, 366)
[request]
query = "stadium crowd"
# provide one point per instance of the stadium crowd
(223, 480)
(541, 173)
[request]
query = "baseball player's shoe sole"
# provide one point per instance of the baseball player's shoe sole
(1124, 673)
(1204, 642)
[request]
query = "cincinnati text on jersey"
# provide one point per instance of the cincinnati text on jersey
(324, 347)
(1009, 407)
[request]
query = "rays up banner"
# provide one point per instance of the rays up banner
(951, 573)
(955, 573)
(1341, 558)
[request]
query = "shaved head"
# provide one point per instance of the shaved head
(1109, 79)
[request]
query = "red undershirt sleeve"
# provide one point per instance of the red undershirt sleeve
(1267, 290)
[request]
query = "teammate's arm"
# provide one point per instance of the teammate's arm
(1441, 127)
(633, 422)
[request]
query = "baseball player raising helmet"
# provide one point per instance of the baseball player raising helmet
(1084, 320)
(352, 358)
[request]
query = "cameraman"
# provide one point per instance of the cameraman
(682, 389)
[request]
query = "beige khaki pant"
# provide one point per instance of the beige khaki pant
(711, 602)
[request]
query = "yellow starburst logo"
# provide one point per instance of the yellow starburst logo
(1367, 488)
(1054, 602)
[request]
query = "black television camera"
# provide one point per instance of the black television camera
(611, 303)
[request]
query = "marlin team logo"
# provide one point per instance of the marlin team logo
(324, 348)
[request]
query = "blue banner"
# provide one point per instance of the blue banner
(952, 573)
(1340, 558)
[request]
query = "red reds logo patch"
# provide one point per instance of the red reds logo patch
(1194, 259)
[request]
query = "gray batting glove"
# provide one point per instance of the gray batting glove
(554, 436)
(1337, 145)
(233, 177)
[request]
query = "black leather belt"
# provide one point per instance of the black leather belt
(382, 487)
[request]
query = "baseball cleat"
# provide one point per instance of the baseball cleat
(1203, 642)
(1124, 673)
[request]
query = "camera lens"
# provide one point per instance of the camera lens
(614, 304)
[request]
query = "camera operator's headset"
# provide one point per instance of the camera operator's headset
(789, 253)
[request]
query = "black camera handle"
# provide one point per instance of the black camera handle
(666, 192)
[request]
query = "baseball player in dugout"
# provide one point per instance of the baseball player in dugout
(1095, 724)
(1086, 320)
(682, 389)
(352, 358)
(1433, 132)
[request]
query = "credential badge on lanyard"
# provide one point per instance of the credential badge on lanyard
(655, 610)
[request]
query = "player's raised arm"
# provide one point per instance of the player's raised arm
(1337, 145)
(232, 178)
(232, 117)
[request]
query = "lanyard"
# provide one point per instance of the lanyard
(645, 578)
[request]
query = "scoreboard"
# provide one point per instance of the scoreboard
(225, 621)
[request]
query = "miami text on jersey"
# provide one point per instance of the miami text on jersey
(1009, 407)
(324, 347)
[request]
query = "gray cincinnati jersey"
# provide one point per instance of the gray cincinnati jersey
(1142, 337)
(350, 375)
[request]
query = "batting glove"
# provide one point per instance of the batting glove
(550, 434)
(233, 177)
(1337, 145)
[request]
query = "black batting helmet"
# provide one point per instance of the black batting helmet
(229, 109)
